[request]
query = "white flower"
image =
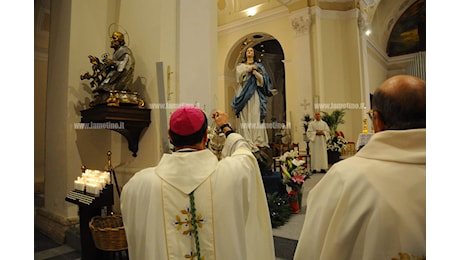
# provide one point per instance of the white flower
(337, 144)
(297, 162)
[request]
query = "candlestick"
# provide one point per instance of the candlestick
(365, 130)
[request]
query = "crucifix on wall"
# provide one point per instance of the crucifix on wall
(305, 104)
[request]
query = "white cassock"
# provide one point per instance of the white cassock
(371, 205)
(318, 144)
(231, 207)
(248, 122)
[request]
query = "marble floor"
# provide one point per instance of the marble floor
(46, 248)
(285, 237)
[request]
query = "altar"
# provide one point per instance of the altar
(363, 139)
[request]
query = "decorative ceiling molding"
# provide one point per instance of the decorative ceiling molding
(334, 14)
(366, 14)
(368, 7)
(337, 5)
(230, 11)
(264, 17)
(397, 62)
(301, 21)
(404, 5)
(363, 22)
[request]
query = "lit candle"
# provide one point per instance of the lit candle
(79, 185)
(92, 188)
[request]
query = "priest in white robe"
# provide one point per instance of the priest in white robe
(373, 205)
(318, 133)
(192, 206)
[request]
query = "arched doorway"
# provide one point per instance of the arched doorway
(271, 55)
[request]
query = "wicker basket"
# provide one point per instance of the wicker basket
(108, 233)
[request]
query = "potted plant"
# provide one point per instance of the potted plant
(334, 119)
(337, 142)
(306, 120)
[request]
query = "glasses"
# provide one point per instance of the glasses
(370, 113)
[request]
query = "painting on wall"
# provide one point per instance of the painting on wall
(409, 33)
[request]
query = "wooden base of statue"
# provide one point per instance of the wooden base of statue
(130, 121)
(116, 98)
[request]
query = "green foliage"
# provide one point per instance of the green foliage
(334, 119)
(279, 209)
(306, 119)
(337, 144)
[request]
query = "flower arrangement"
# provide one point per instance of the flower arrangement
(337, 144)
(294, 175)
(293, 170)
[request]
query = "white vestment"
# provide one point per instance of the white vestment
(248, 122)
(371, 205)
(318, 144)
(233, 220)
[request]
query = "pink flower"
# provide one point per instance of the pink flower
(285, 171)
(298, 178)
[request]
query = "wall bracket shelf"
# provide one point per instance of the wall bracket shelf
(129, 121)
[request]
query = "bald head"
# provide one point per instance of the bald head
(317, 116)
(400, 103)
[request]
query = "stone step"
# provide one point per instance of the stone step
(284, 247)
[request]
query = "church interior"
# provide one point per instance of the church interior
(320, 56)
